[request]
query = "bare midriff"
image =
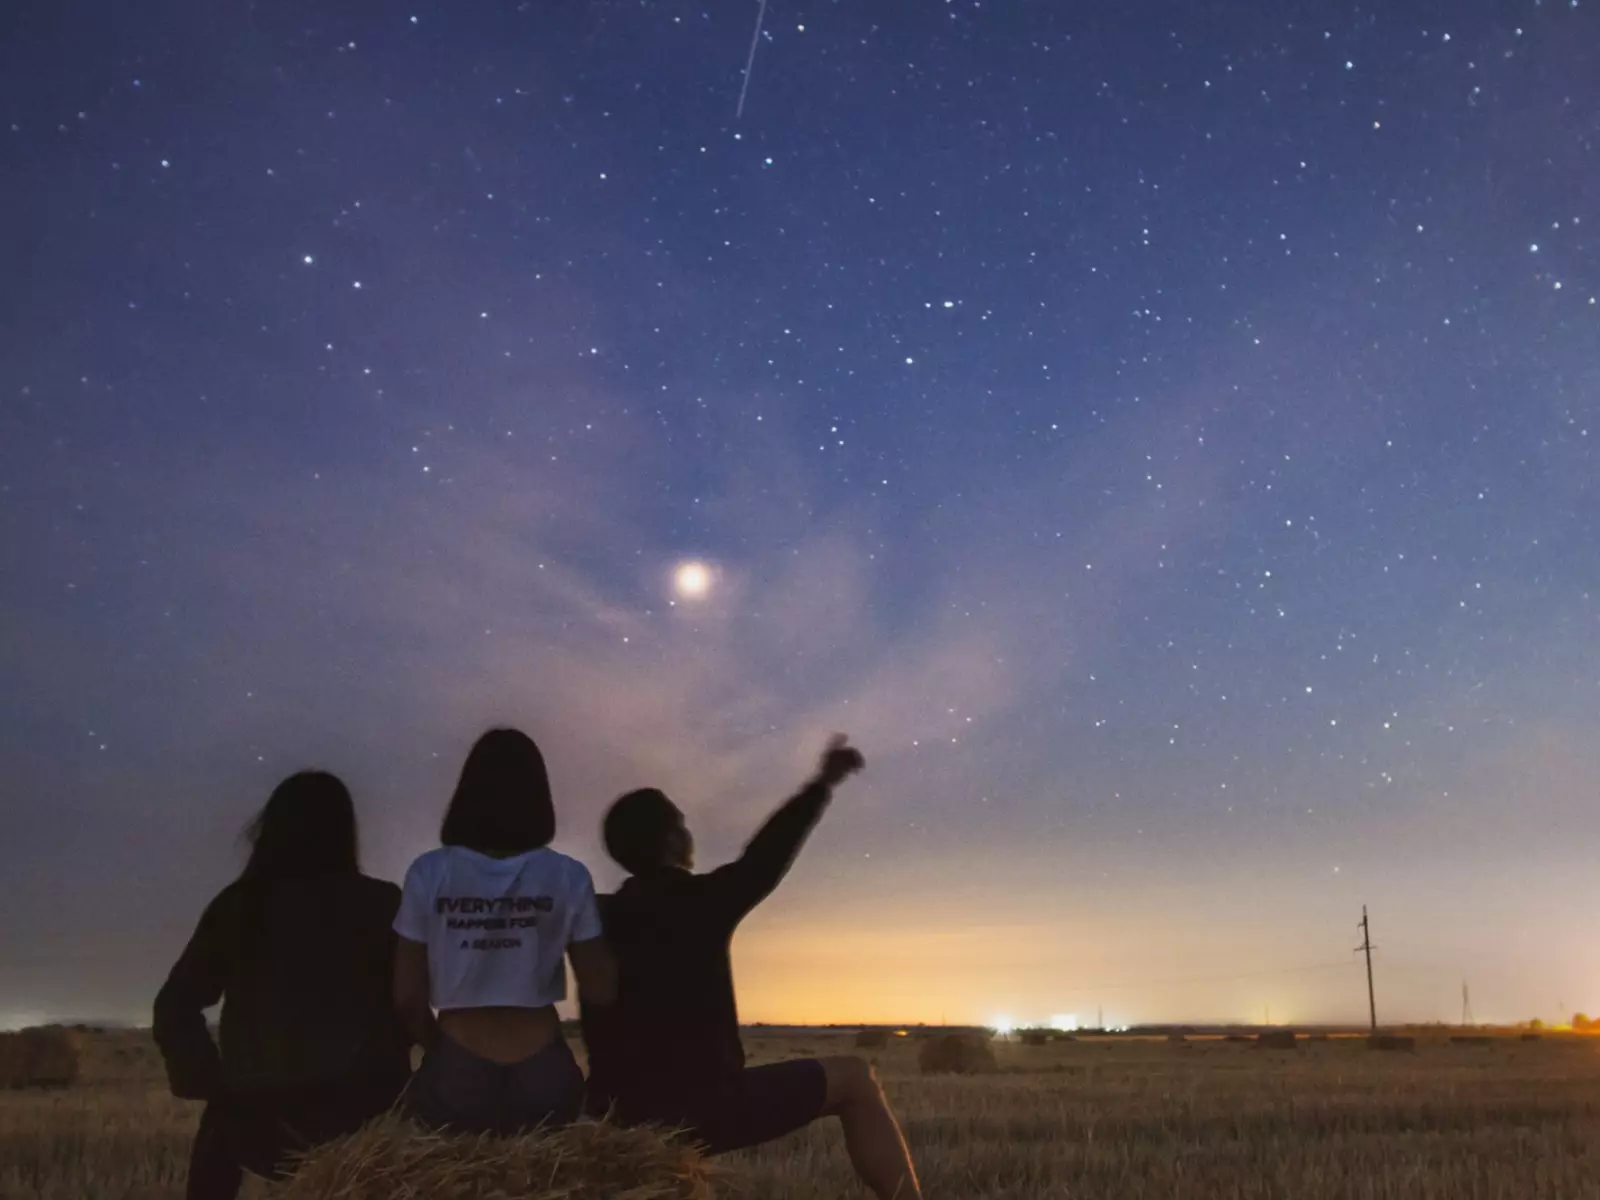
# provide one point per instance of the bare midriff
(502, 1035)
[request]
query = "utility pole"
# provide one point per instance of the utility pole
(1466, 1005)
(1366, 948)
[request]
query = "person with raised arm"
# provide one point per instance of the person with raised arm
(668, 1051)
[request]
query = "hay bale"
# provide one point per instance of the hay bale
(1236, 1037)
(1392, 1041)
(872, 1039)
(1532, 1037)
(1471, 1039)
(1277, 1039)
(1035, 1037)
(587, 1161)
(956, 1054)
(1177, 1039)
(42, 1057)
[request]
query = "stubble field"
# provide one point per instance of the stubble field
(1088, 1119)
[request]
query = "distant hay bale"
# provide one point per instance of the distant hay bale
(1319, 1037)
(42, 1057)
(1035, 1037)
(587, 1161)
(872, 1039)
(1532, 1037)
(1237, 1037)
(1471, 1039)
(956, 1054)
(1392, 1041)
(1277, 1039)
(1177, 1039)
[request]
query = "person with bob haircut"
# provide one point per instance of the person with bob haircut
(486, 923)
(668, 1051)
(300, 952)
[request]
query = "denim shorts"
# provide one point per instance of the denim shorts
(753, 1106)
(455, 1089)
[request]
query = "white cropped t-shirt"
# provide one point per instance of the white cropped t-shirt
(497, 929)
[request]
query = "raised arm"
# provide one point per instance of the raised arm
(751, 878)
(196, 982)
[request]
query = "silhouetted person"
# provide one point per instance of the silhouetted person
(300, 952)
(485, 924)
(668, 1051)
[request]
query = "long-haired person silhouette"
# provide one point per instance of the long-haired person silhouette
(668, 1051)
(299, 950)
(485, 924)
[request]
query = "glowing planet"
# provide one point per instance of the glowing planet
(692, 580)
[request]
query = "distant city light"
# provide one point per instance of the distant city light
(1003, 1026)
(1064, 1022)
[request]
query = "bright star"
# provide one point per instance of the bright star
(692, 580)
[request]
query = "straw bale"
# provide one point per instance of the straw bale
(956, 1054)
(872, 1039)
(588, 1161)
(1277, 1039)
(42, 1057)
(1035, 1037)
(1392, 1041)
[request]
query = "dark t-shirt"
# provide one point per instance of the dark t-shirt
(674, 1030)
(304, 970)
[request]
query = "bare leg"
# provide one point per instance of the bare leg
(871, 1135)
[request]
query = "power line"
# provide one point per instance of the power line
(1366, 948)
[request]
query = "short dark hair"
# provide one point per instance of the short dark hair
(502, 801)
(306, 829)
(636, 828)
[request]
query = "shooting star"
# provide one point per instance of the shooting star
(750, 62)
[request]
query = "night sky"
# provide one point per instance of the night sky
(1164, 436)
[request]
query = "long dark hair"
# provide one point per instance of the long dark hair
(306, 829)
(502, 802)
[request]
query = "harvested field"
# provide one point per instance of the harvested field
(1088, 1119)
(957, 1054)
(586, 1161)
(39, 1058)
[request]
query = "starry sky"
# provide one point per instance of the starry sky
(1162, 435)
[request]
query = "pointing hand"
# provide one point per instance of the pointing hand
(839, 761)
